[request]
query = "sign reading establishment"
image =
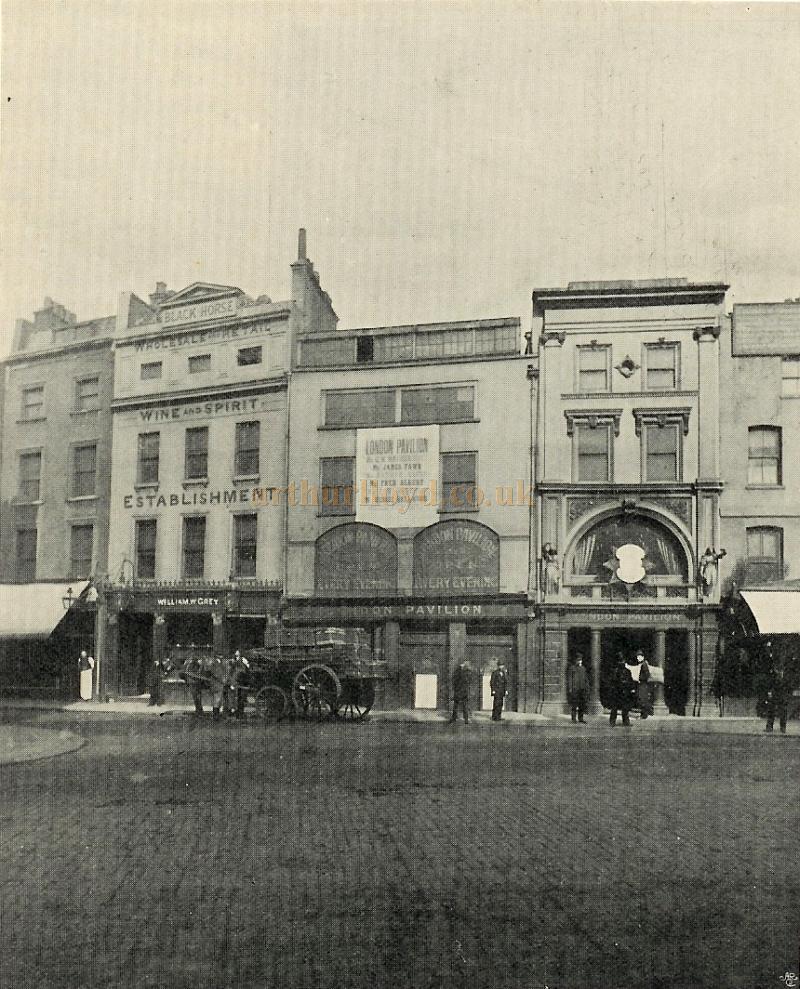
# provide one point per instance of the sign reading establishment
(457, 557)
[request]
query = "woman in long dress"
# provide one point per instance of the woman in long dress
(86, 666)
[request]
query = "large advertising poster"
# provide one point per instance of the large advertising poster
(397, 476)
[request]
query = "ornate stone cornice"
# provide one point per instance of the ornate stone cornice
(707, 332)
(552, 336)
(592, 419)
(661, 417)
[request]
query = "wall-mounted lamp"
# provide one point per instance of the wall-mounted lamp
(68, 600)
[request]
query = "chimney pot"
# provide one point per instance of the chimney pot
(301, 245)
(161, 287)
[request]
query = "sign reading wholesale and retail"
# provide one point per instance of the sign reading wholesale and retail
(397, 476)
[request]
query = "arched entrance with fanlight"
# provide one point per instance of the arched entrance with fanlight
(633, 570)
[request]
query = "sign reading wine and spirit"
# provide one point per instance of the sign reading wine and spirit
(397, 476)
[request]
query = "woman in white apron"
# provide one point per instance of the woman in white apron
(86, 666)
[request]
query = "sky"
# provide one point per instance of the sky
(445, 158)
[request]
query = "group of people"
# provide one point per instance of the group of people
(225, 678)
(623, 693)
(462, 691)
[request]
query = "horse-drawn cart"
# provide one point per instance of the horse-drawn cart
(317, 673)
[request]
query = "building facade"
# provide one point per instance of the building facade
(628, 484)
(410, 501)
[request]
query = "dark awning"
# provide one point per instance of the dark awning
(33, 610)
(776, 612)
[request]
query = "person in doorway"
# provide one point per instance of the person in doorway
(644, 695)
(621, 693)
(462, 682)
(85, 670)
(577, 689)
(155, 682)
(776, 702)
(498, 685)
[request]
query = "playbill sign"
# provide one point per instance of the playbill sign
(397, 476)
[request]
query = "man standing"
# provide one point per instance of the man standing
(85, 668)
(237, 684)
(577, 689)
(498, 685)
(777, 699)
(622, 689)
(156, 682)
(643, 691)
(461, 686)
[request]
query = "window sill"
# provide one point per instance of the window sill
(408, 422)
(26, 503)
(146, 486)
(458, 511)
(22, 422)
(92, 497)
(764, 487)
(195, 482)
(246, 478)
(336, 515)
(81, 413)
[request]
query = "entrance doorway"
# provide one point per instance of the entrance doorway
(625, 642)
(135, 653)
(676, 670)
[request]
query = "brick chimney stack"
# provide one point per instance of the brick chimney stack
(301, 245)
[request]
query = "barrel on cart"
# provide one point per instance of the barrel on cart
(315, 673)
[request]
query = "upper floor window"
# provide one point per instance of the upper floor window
(194, 546)
(84, 466)
(32, 406)
(438, 404)
(764, 554)
(146, 533)
(80, 551)
(764, 455)
(661, 452)
(594, 363)
(200, 362)
(661, 366)
(392, 347)
(459, 482)
(790, 385)
(87, 394)
(245, 544)
(152, 369)
(593, 451)
(26, 555)
(197, 453)
(248, 355)
(248, 441)
(370, 407)
(147, 458)
(336, 485)
(30, 474)
(365, 349)
(443, 343)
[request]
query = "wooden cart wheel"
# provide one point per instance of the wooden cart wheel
(356, 701)
(315, 692)
(271, 703)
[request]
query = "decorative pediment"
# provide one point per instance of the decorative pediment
(592, 419)
(661, 417)
(200, 292)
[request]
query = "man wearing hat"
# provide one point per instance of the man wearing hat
(461, 686)
(498, 685)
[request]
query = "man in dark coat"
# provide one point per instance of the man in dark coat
(155, 677)
(621, 693)
(644, 694)
(777, 698)
(462, 682)
(498, 685)
(577, 689)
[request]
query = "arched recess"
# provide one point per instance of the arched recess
(667, 554)
(355, 558)
(457, 556)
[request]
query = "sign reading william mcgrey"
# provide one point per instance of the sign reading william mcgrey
(457, 557)
(397, 474)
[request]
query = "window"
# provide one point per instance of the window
(661, 452)
(84, 459)
(661, 368)
(365, 349)
(245, 545)
(439, 404)
(26, 554)
(146, 530)
(197, 453)
(764, 554)
(326, 352)
(80, 551)
(593, 451)
(199, 363)
(30, 472)
(194, 546)
(791, 377)
(87, 394)
(248, 355)
(371, 407)
(248, 441)
(764, 455)
(147, 458)
(593, 368)
(393, 347)
(447, 343)
(336, 485)
(32, 402)
(459, 491)
(150, 370)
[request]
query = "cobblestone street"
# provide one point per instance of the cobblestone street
(180, 853)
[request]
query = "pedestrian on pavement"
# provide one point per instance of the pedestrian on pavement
(643, 690)
(192, 673)
(462, 681)
(777, 698)
(621, 693)
(238, 669)
(577, 689)
(155, 678)
(498, 685)
(85, 668)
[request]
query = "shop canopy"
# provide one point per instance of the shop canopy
(30, 611)
(775, 612)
